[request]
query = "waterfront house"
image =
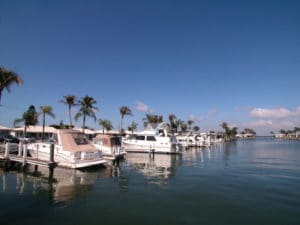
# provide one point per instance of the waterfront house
(34, 132)
(5, 131)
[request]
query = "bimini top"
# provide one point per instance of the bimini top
(108, 140)
(73, 140)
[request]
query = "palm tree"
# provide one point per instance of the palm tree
(46, 110)
(7, 78)
(30, 117)
(87, 108)
(190, 123)
(152, 120)
(196, 128)
(133, 127)
(172, 123)
(70, 101)
(230, 132)
(106, 124)
(124, 110)
(224, 125)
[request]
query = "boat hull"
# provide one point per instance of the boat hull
(41, 151)
(148, 148)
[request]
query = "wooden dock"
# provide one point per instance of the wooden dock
(18, 153)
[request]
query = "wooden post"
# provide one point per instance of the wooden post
(20, 148)
(7, 147)
(24, 155)
(51, 153)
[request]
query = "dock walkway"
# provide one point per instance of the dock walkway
(10, 152)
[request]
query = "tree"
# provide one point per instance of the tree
(46, 110)
(7, 78)
(29, 118)
(249, 131)
(224, 125)
(183, 126)
(196, 128)
(105, 124)
(70, 101)
(133, 127)
(296, 129)
(190, 123)
(87, 109)
(124, 111)
(283, 131)
(172, 123)
(152, 120)
(230, 133)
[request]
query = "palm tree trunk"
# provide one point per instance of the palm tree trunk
(103, 130)
(43, 133)
(83, 124)
(121, 126)
(25, 130)
(70, 117)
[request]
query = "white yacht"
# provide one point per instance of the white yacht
(192, 139)
(110, 146)
(152, 141)
(71, 149)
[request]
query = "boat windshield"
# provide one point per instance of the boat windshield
(115, 141)
(80, 139)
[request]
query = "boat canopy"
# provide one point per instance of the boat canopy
(73, 140)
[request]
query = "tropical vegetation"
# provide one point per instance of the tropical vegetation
(152, 120)
(29, 118)
(132, 127)
(7, 78)
(46, 110)
(124, 111)
(105, 124)
(70, 101)
(230, 133)
(87, 109)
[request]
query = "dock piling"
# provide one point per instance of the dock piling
(20, 148)
(24, 155)
(7, 147)
(51, 153)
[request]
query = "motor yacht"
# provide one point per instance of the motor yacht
(109, 145)
(72, 149)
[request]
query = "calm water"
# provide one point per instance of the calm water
(247, 182)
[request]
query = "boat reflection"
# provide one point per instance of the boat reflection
(62, 185)
(154, 165)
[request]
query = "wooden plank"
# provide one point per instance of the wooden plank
(29, 160)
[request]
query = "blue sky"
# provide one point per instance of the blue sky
(211, 61)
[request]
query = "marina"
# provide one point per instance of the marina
(149, 112)
(252, 181)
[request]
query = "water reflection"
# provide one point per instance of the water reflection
(198, 157)
(157, 168)
(62, 185)
(230, 148)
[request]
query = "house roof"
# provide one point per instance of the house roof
(36, 129)
(86, 131)
(5, 128)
